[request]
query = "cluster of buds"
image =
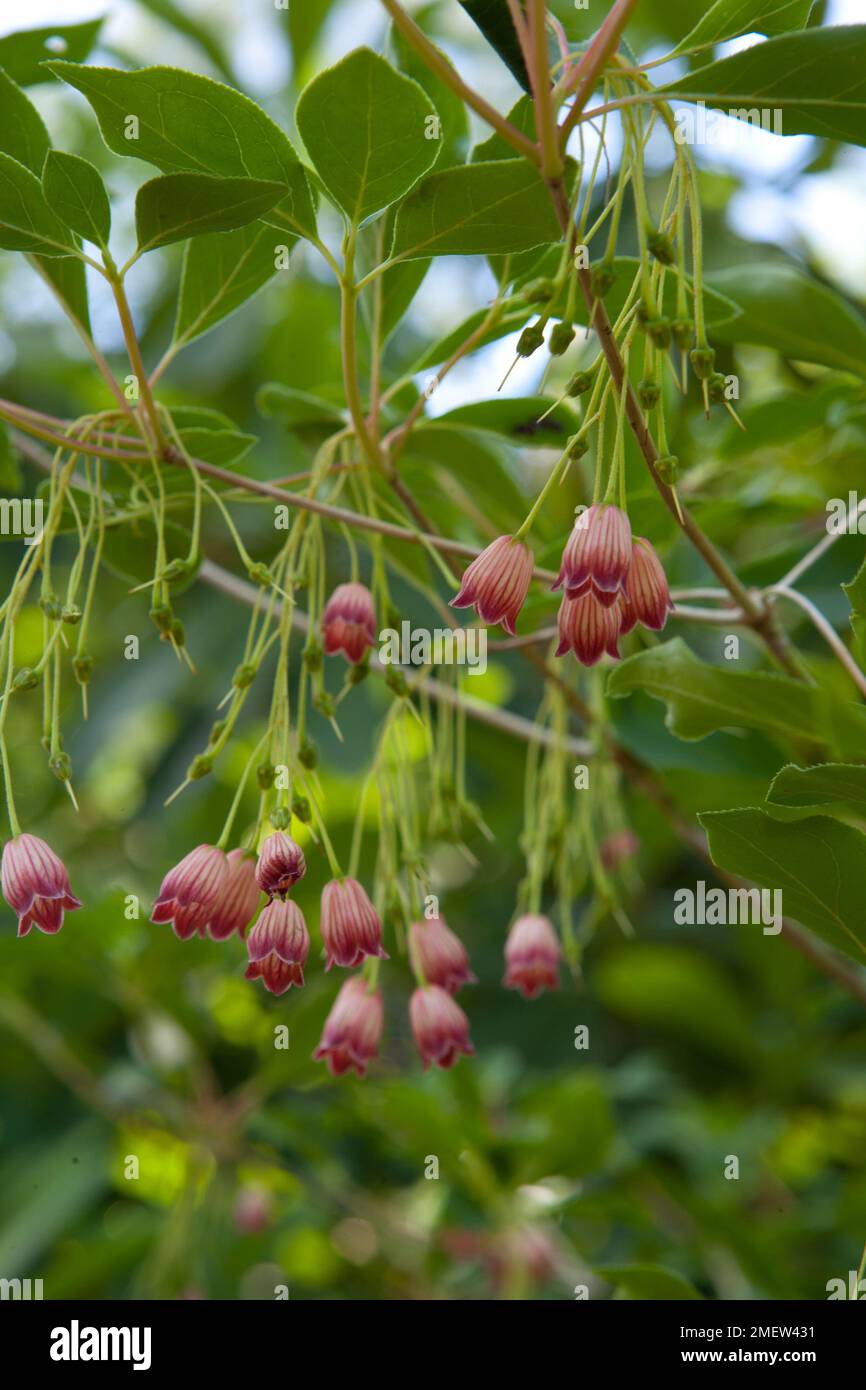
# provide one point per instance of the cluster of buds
(611, 581)
(441, 963)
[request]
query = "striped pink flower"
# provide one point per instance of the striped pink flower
(649, 597)
(439, 955)
(597, 554)
(239, 900)
(349, 621)
(353, 1028)
(497, 582)
(191, 891)
(350, 924)
(278, 946)
(532, 956)
(36, 884)
(281, 864)
(588, 628)
(440, 1026)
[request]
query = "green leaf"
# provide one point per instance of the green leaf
(701, 698)
(828, 784)
(727, 19)
(494, 20)
(453, 140)
(476, 209)
(466, 469)
(516, 418)
(75, 191)
(220, 272)
(817, 79)
(26, 221)
(364, 126)
(784, 309)
(23, 55)
(189, 122)
(173, 207)
(819, 864)
(22, 131)
(856, 593)
(221, 446)
(648, 1282)
(68, 282)
(677, 992)
(305, 25)
(297, 408)
(522, 117)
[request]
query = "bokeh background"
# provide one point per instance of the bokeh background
(557, 1167)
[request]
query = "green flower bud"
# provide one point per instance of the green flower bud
(683, 331)
(261, 575)
(162, 616)
(648, 393)
(703, 360)
(280, 817)
(244, 676)
(83, 668)
(602, 278)
(661, 246)
(201, 765)
(659, 332)
(308, 754)
(51, 607)
(71, 614)
(175, 570)
(716, 388)
(217, 730)
(313, 657)
(324, 703)
(579, 384)
(578, 445)
(530, 340)
(265, 774)
(26, 679)
(393, 616)
(61, 766)
(561, 339)
(359, 672)
(668, 468)
(538, 292)
(177, 632)
(396, 682)
(301, 809)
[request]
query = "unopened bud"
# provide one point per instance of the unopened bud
(83, 668)
(538, 292)
(313, 658)
(260, 574)
(396, 682)
(265, 774)
(280, 817)
(530, 340)
(301, 808)
(25, 679)
(561, 339)
(683, 331)
(201, 765)
(703, 360)
(602, 278)
(577, 447)
(71, 614)
(51, 607)
(61, 766)
(668, 468)
(244, 676)
(659, 332)
(648, 393)
(579, 384)
(661, 246)
(324, 703)
(308, 755)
